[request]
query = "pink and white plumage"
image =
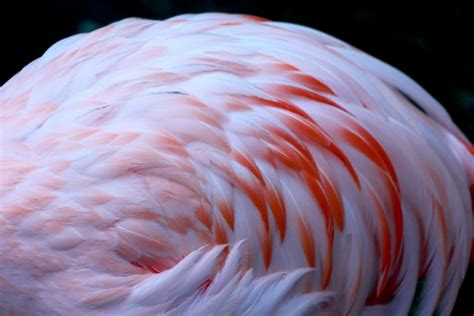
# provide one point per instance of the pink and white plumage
(225, 164)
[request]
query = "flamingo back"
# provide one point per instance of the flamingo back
(227, 164)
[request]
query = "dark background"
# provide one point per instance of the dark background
(428, 41)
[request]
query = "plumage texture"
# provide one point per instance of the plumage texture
(225, 164)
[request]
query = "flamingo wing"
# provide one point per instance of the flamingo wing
(227, 164)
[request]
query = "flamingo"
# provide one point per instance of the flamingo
(218, 164)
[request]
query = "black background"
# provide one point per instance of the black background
(430, 42)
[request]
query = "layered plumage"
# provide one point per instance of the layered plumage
(225, 164)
